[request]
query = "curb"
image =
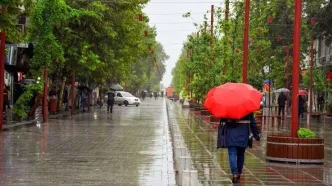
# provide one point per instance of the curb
(186, 174)
(34, 121)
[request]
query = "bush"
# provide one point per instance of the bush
(23, 105)
(306, 133)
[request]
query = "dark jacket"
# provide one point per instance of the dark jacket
(282, 100)
(237, 134)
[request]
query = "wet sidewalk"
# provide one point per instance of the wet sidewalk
(132, 146)
(212, 163)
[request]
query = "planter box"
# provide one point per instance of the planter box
(297, 150)
(329, 109)
(205, 113)
(199, 108)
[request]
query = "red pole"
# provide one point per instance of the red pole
(72, 94)
(211, 41)
(45, 110)
(296, 66)
(2, 66)
(2, 72)
(245, 41)
(227, 10)
(212, 20)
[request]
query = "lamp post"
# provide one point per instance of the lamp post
(296, 64)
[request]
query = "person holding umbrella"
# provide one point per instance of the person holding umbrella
(237, 139)
(235, 104)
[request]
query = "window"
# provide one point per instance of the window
(118, 94)
(127, 94)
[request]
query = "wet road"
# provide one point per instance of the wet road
(213, 167)
(129, 147)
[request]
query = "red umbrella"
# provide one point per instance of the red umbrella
(303, 92)
(233, 100)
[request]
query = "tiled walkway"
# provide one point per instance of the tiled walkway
(213, 167)
(129, 147)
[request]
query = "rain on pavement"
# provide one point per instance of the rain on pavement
(132, 146)
(212, 163)
(129, 147)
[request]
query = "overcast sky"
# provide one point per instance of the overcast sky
(172, 28)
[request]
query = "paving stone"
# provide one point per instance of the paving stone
(128, 147)
(213, 166)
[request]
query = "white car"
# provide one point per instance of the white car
(125, 98)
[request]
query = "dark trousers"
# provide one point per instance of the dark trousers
(236, 159)
(110, 108)
(281, 110)
(110, 104)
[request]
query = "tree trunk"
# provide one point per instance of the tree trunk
(62, 84)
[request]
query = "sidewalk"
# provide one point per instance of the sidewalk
(11, 123)
(130, 147)
(213, 166)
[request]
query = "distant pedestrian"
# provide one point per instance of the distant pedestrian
(282, 103)
(236, 140)
(5, 99)
(8, 91)
(320, 102)
(83, 100)
(110, 101)
(144, 94)
(155, 95)
(301, 107)
(65, 98)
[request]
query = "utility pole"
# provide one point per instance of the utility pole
(226, 19)
(212, 20)
(245, 42)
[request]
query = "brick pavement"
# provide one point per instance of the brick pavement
(213, 167)
(129, 147)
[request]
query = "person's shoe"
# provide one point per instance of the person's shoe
(235, 178)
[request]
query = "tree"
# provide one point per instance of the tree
(271, 28)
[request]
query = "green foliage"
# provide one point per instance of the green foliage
(9, 20)
(207, 67)
(306, 133)
(21, 107)
(322, 28)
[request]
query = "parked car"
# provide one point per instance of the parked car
(125, 98)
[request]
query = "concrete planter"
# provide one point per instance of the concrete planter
(329, 109)
(297, 150)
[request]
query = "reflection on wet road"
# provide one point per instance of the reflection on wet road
(213, 167)
(129, 147)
